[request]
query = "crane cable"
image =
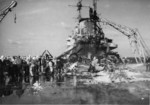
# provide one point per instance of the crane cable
(15, 17)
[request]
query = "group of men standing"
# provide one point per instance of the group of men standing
(22, 68)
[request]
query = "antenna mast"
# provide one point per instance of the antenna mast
(95, 5)
(79, 5)
(95, 14)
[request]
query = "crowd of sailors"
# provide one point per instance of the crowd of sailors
(17, 68)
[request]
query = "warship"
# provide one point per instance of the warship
(88, 38)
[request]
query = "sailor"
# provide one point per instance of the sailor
(93, 64)
(1, 70)
(51, 66)
(25, 70)
(39, 64)
(43, 64)
(19, 68)
(59, 65)
(148, 64)
(33, 67)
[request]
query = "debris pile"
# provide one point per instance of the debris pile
(128, 73)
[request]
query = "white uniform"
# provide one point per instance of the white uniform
(50, 64)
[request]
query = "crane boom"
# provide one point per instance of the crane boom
(121, 28)
(137, 44)
(5, 11)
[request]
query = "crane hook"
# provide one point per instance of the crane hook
(15, 18)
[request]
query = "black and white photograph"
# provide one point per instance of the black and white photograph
(90, 52)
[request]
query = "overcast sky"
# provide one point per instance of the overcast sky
(45, 24)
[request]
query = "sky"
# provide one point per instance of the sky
(45, 24)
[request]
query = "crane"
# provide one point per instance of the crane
(6, 10)
(137, 44)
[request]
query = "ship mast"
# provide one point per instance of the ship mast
(79, 6)
(95, 5)
(95, 15)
